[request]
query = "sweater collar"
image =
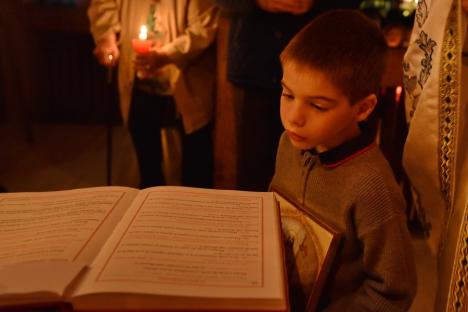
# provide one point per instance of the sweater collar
(348, 150)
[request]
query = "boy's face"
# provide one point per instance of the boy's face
(314, 112)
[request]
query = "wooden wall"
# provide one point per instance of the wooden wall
(49, 73)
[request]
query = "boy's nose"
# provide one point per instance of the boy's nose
(295, 116)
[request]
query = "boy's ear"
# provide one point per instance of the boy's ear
(365, 107)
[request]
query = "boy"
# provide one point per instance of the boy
(327, 162)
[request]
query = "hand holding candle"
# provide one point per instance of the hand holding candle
(148, 64)
(149, 58)
(142, 45)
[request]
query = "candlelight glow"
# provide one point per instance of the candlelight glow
(398, 92)
(143, 35)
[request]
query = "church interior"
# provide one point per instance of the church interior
(60, 125)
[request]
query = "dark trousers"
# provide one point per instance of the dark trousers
(148, 114)
(259, 129)
(197, 158)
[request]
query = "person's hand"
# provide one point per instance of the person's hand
(286, 6)
(147, 65)
(106, 51)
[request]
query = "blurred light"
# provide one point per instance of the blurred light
(398, 91)
(143, 35)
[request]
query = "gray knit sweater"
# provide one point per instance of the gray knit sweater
(352, 188)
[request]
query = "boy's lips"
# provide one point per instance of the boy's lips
(295, 137)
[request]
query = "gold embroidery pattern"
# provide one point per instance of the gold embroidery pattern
(448, 99)
(457, 298)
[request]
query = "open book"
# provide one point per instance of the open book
(161, 248)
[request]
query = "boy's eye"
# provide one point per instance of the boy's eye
(286, 95)
(318, 107)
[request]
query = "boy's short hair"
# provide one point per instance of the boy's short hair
(345, 45)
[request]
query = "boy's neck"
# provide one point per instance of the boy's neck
(351, 136)
(347, 150)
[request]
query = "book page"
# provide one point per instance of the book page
(34, 283)
(194, 242)
(63, 226)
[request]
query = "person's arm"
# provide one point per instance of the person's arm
(388, 264)
(202, 23)
(104, 26)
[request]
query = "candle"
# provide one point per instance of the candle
(142, 44)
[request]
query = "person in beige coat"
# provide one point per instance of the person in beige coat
(178, 71)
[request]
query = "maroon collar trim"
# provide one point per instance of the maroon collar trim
(348, 150)
(342, 161)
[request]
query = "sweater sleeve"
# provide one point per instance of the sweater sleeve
(388, 265)
(202, 23)
(103, 18)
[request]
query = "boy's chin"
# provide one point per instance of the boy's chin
(301, 145)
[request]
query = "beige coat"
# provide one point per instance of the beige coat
(191, 28)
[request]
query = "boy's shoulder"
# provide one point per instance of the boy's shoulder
(370, 164)
(369, 171)
(373, 182)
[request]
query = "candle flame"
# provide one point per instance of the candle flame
(143, 35)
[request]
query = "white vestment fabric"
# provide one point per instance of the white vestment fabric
(435, 153)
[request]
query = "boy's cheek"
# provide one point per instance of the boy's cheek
(282, 115)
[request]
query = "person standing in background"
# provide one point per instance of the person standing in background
(258, 32)
(178, 71)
